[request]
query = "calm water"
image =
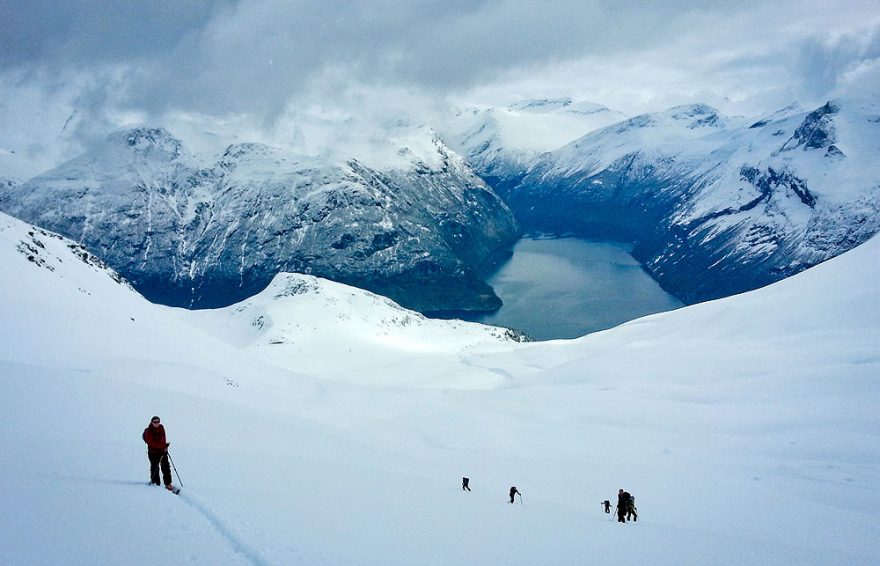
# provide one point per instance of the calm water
(568, 287)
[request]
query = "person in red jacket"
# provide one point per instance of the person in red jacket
(157, 452)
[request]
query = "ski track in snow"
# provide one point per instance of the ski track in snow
(218, 525)
(237, 544)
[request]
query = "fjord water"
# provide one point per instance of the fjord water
(569, 287)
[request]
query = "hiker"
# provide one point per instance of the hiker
(157, 452)
(631, 512)
(464, 484)
(513, 493)
(607, 505)
(622, 505)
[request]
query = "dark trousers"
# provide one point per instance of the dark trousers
(621, 515)
(157, 458)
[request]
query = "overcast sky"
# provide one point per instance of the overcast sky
(72, 70)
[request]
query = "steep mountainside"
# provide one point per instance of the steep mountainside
(197, 236)
(716, 205)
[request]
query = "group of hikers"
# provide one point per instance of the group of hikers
(626, 503)
(626, 507)
(157, 452)
(465, 485)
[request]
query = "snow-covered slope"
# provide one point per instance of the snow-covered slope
(502, 142)
(294, 314)
(746, 427)
(192, 235)
(364, 338)
(717, 205)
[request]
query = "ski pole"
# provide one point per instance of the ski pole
(520, 499)
(179, 482)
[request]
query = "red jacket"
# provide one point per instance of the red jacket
(155, 437)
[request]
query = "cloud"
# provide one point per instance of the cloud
(285, 70)
(68, 33)
(824, 64)
(253, 55)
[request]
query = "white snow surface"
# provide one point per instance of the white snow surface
(318, 424)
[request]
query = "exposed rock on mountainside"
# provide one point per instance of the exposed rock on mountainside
(715, 206)
(196, 236)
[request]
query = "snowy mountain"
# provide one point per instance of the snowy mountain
(297, 314)
(201, 236)
(746, 427)
(716, 205)
(500, 143)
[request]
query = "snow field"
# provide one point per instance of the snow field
(746, 428)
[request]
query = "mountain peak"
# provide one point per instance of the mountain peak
(148, 141)
(816, 131)
(541, 103)
(698, 115)
(563, 104)
(238, 152)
